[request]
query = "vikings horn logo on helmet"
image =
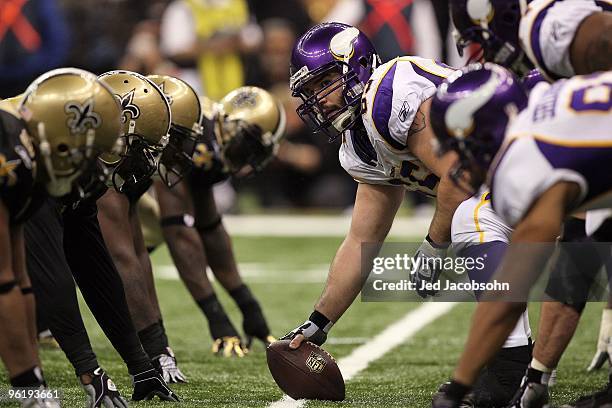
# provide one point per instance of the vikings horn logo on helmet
(83, 116)
(459, 117)
(127, 106)
(341, 44)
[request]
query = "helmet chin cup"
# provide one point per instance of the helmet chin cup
(345, 120)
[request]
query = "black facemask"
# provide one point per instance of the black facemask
(176, 158)
(132, 176)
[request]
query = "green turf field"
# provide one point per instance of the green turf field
(287, 275)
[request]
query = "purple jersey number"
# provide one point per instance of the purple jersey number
(592, 98)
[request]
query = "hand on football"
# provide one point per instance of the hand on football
(306, 331)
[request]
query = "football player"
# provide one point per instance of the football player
(560, 39)
(47, 144)
(380, 112)
(146, 122)
(239, 137)
(541, 171)
(63, 240)
(387, 144)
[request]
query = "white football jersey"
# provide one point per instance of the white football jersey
(564, 134)
(390, 102)
(547, 29)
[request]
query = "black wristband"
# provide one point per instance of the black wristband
(435, 245)
(320, 320)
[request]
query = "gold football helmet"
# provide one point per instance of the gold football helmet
(146, 121)
(249, 126)
(72, 118)
(185, 129)
(11, 105)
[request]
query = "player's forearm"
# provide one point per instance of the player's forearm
(448, 199)
(344, 281)
(219, 249)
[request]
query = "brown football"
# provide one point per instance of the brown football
(308, 372)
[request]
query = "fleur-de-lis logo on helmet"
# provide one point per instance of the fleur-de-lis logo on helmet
(245, 98)
(82, 117)
(128, 106)
(162, 88)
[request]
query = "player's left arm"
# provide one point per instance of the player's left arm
(591, 49)
(495, 318)
(421, 142)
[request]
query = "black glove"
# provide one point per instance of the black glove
(101, 391)
(314, 329)
(149, 384)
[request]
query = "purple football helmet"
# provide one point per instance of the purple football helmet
(531, 79)
(494, 25)
(327, 48)
(470, 113)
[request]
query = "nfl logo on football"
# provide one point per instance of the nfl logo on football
(315, 363)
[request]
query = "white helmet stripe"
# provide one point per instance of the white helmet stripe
(459, 119)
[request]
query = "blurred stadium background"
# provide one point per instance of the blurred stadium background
(216, 46)
(287, 222)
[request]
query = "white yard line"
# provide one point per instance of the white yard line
(260, 272)
(314, 225)
(391, 337)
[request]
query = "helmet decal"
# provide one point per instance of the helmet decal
(341, 44)
(246, 98)
(346, 57)
(459, 118)
(162, 88)
(83, 116)
(127, 106)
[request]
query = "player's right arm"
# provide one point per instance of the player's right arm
(373, 214)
